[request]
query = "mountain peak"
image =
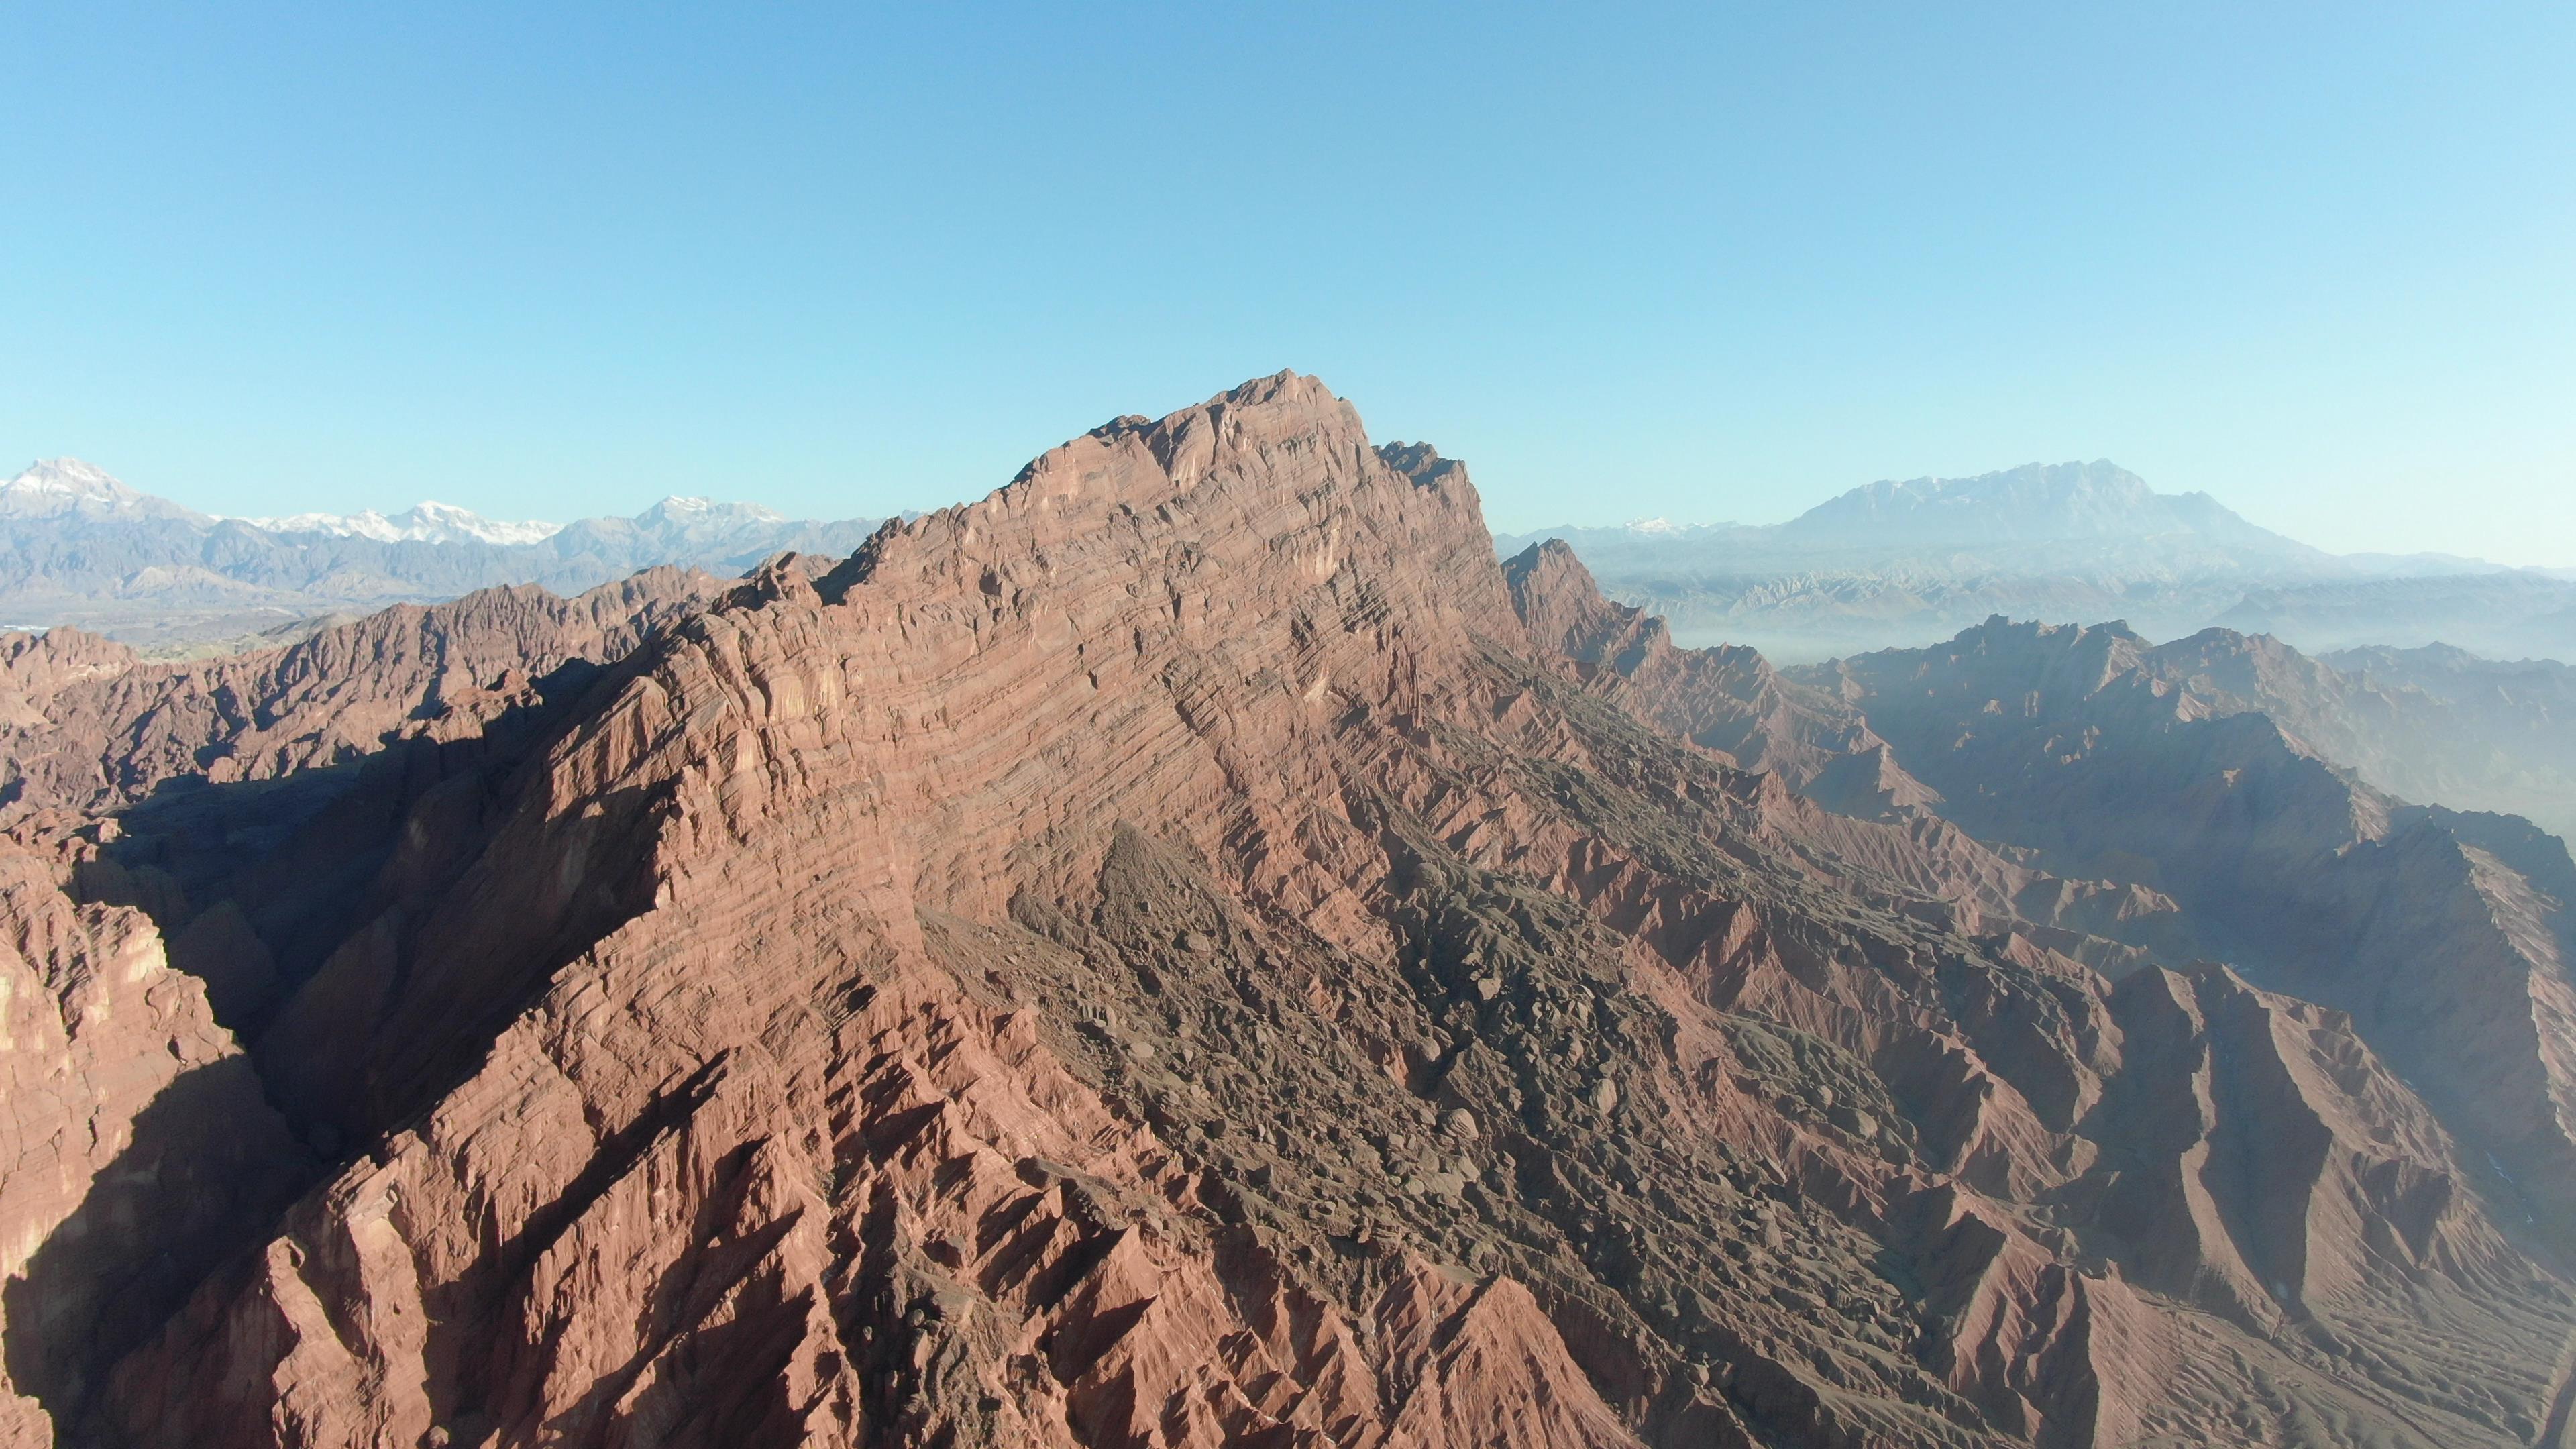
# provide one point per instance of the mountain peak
(2031, 503)
(65, 475)
(428, 521)
(691, 511)
(59, 487)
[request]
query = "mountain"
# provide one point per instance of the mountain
(2113, 758)
(2498, 736)
(1896, 563)
(79, 548)
(423, 523)
(1189, 950)
(2523, 613)
(2035, 503)
(62, 489)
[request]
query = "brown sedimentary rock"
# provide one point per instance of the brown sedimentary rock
(1186, 951)
(1727, 699)
(134, 1147)
(85, 726)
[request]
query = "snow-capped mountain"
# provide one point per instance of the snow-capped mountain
(79, 547)
(426, 522)
(71, 488)
(679, 509)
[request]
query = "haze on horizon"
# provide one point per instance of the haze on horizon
(1699, 265)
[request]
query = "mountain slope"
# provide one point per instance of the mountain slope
(2508, 737)
(2435, 724)
(2113, 757)
(1182, 951)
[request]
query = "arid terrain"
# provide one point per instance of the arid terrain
(1188, 950)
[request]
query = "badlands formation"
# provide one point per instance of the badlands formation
(1188, 951)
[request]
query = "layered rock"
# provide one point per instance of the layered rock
(1167, 955)
(87, 727)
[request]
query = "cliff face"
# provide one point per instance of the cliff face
(137, 1148)
(1186, 951)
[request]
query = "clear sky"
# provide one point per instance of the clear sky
(1708, 261)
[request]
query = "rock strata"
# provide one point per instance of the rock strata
(1187, 951)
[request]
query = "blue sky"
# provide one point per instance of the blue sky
(1704, 262)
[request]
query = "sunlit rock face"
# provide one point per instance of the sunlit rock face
(1188, 950)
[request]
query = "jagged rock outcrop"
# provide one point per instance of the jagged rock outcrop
(1728, 698)
(87, 727)
(1167, 955)
(2446, 935)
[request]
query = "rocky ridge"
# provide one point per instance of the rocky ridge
(2476, 734)
(1726, 698)
(2114, 757)
(88, 727)
(1187, 951)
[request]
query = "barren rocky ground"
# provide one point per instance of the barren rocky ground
(1187, 951)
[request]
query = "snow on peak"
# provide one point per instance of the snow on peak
(68, 477)
(69, 488)
(54, 486)
(427, 522)
(683, 508)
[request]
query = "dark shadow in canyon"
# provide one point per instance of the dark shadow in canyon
(207, 1167)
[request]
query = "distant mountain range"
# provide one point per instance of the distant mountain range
(1895, 564)
(430, 522)
(1190, 951)
(1892, 564)
(79, 547)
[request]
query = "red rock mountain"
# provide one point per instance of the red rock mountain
(1182, 951)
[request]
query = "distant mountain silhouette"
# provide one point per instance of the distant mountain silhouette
(1899, 563)
(2511, 614)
